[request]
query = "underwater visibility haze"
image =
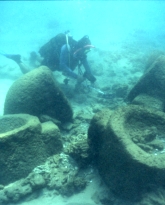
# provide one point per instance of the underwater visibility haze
(97, 135)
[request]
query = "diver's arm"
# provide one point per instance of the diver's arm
(88, 74)
(64, 55)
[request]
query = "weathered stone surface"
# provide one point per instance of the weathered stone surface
(152, 56)
(152, 83)
(79, 150)
(57, 173)
(36, 93)
(51, 137)
(148, 102)
(96, 130)
(130, 149)
(24, 144)
(15, 191)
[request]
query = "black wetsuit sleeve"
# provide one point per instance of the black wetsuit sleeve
(88, 74)
(64, 58)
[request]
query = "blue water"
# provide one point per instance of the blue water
(26, 25)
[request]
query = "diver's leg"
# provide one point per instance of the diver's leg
(17, 59)
(23, 68)
(88, 74)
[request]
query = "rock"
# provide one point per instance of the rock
(82, 115)
(120, 90)
(51, 137)
(24, 144)
(79, 150)
(96, 131)
(154, 197)
(17, 190)
(59, 172)
(46, 118)
(148, 101)
(73, 185)
(152, 83)
(67, 126)
(126, 167)
(3, 198)
(36, 93)
(152, 57)
(36, 181)
(103, 197)
(79, 184)
(77, 203)
(1, 186)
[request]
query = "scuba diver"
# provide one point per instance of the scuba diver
(63, 53)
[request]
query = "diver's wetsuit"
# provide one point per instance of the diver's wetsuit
(64, 58)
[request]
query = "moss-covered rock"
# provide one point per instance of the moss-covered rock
(37, 93)
(24, 144)
(96, 131)
(58, 173)
(129, 158)
(152, 83)
(148, 101)
(79, 150)
(51, 137)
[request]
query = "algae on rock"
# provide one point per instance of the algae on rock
(37, 93)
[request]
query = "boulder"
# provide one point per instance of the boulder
(37, 93)
(148, 101)
(24, 144)
(51, 137)
(152, 83)
(129, 147)
(58, 174)
(79, 151)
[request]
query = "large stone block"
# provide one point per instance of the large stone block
(37, 93)
(24, 144)
(151, 85)
(129, 147)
